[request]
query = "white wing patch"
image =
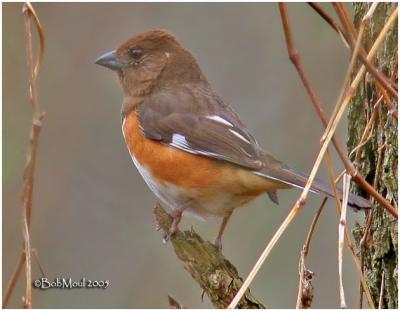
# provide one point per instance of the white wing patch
(219, 120)
(179, 140)
(239, 136)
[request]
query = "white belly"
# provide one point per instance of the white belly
(176, 198)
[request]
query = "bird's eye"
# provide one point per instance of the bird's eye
(136, 53)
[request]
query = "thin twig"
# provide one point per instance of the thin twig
(326, 16)
(371, 11)
(349, 30)
(392, 109)
(42, 39)
(13, 280)
(346, 92)
(37, 259)
(329, 20)
(367, 133)
(301, 276)
(37, 117)
(312, 227)
(305, 293)
(331, 173)
(303, 254)
(342, 224)
(28, 266)
(382, 290)
(349, 242)
(351, 34)
(292, 214)
(383, 81)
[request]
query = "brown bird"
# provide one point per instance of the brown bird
(191, 148)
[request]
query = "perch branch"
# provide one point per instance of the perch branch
(212, 271)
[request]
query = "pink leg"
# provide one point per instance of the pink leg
(176, 216)
(218, 240)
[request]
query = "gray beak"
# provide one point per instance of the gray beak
(110, 60)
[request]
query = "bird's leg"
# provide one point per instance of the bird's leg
(176, 216)
(218, 240)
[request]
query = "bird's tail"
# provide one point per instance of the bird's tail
(280, 172)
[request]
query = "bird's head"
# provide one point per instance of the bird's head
(149, 60)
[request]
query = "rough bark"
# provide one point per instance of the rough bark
(377, 159)
(212, 271)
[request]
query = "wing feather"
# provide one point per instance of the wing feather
(191, 121)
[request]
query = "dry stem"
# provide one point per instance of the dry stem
(13, 280)
(382, 290)
(350, 34)
(305, 293)
(265, 254)
(303, 254)
(342, 224)
(307, 243)
(37, 117)
(349, 241)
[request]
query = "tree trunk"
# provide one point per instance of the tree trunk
(377, 159)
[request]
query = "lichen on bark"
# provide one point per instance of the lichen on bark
(378, 158)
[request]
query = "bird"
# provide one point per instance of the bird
(192, 149)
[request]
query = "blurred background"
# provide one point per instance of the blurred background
(92, 212)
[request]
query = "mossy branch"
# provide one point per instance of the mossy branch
(207, 265)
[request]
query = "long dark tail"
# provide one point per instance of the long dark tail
(276, 170)
(355, 201)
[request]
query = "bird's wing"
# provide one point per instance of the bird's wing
(196, 120)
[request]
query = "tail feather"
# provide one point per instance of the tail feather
(278, 171)
(354, 201)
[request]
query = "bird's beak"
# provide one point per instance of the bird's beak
(110, 60)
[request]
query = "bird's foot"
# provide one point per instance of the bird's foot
(176, 218)
(218, 243)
